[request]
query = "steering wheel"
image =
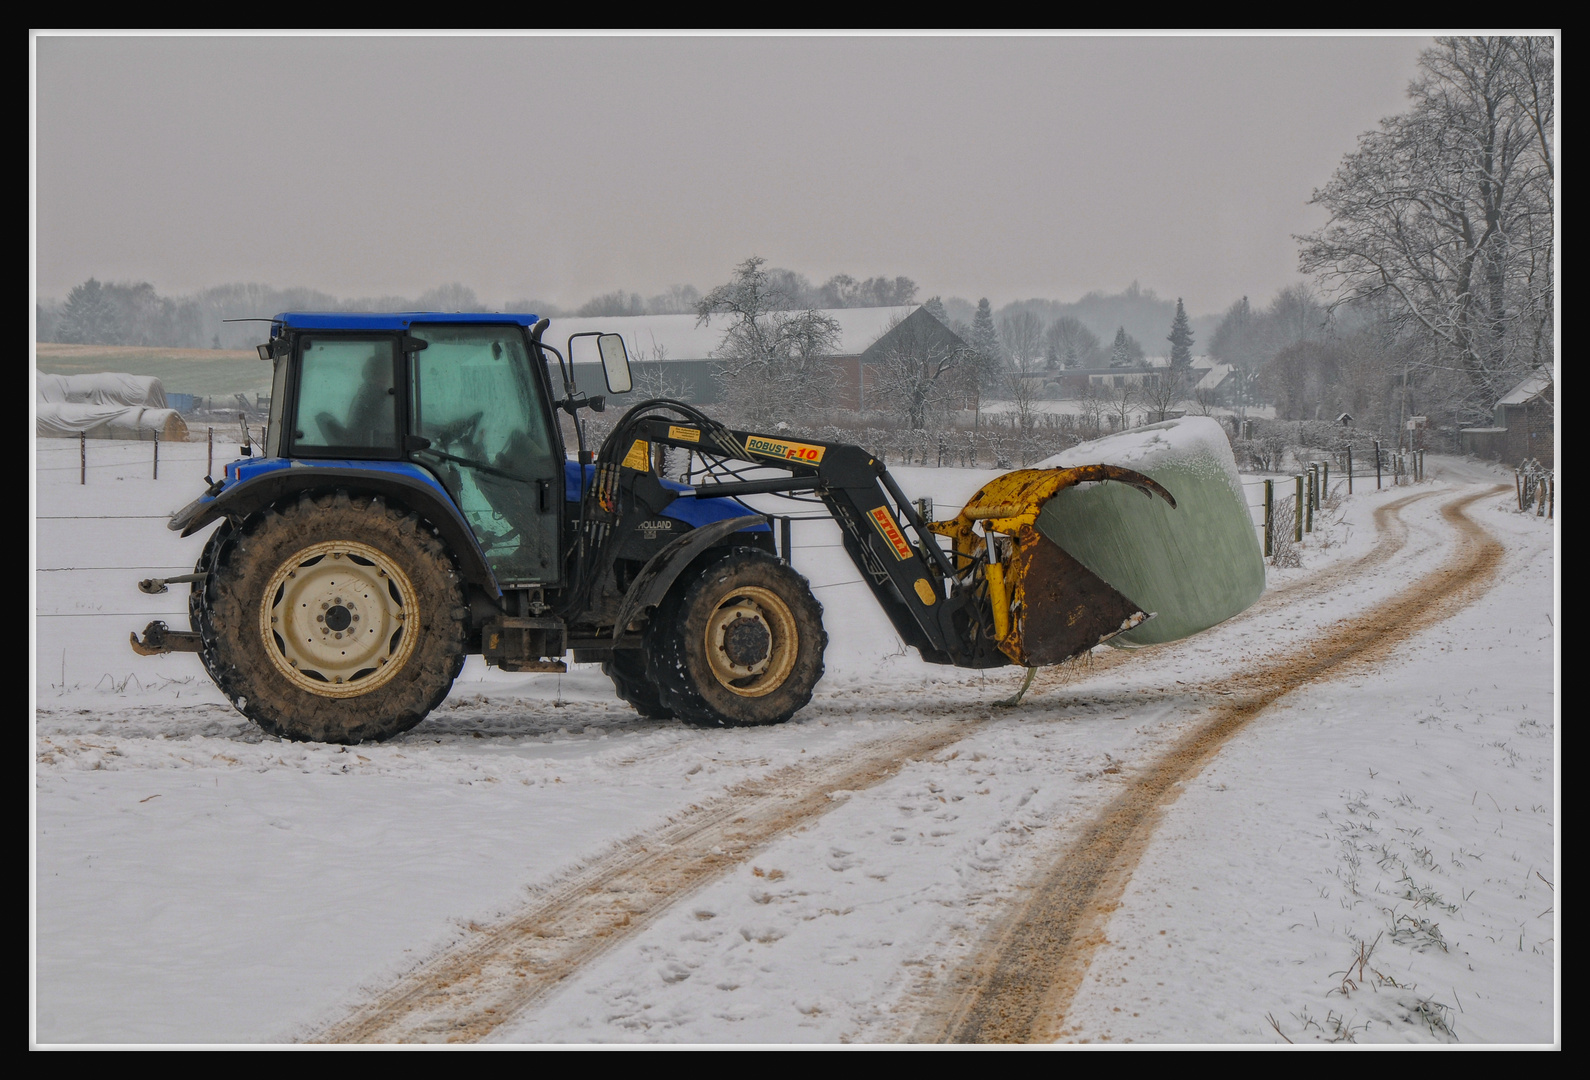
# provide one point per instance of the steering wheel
(459, 431)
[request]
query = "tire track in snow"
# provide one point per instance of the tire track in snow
(467, 991)
(1020, 985)
(1388, 524)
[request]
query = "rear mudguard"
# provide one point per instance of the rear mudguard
(398, 482)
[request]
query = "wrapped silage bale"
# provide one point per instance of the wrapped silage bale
(1190, 567)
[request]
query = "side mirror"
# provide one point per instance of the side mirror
(615, 363)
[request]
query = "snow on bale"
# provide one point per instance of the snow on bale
(1192, 567)
(106, 406)
(103, 388)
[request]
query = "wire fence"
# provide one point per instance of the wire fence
(91, 458)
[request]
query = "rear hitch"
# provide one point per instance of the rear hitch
(160, 639)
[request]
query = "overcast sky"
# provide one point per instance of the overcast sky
(560, 167)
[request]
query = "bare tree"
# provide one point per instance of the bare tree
(1092, 404)
(677, 300)
(1022, 334)
(775, 363)
(651, 373)
(1023, 391)
(1445, 212)
(1163, 390)
(1075, 344)
(1119, 400)
(916, 375)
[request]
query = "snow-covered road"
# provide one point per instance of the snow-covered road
(198, 882)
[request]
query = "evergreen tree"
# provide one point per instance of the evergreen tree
(1181, 338)
(983, 372)
(1121, 351)
(984, 338)
(89, 316)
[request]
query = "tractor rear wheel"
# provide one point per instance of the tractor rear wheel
(741, 644)
(334, 620)
(198, 599)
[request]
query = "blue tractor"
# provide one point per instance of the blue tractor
(414, 503)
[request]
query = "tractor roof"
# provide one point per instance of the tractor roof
(395, 320)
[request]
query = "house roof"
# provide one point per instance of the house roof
(919, 330)
(679, 338)
(1527, 390)
(1214, 377)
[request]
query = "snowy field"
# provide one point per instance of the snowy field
(1371, 858)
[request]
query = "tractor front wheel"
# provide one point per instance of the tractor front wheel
(334, 620)
(742, 644)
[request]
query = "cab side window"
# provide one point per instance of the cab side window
(347, 395)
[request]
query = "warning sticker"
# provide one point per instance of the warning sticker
(684, 434)
(784, 449)
(639, 456)
(891, 532)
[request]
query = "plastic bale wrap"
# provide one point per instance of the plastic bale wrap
(1191, 567)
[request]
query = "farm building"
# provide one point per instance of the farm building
(1523, 425)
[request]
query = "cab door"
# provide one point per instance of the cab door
(474, 398)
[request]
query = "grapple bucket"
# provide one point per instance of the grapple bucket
(1149, 541)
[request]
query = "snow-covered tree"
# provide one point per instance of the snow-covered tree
(775, 363)
(1445, 213)
(1125, 351)
(915, 375)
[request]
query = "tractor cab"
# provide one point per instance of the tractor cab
(464, 400)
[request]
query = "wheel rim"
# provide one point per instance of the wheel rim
(339, 619)
(751, 642)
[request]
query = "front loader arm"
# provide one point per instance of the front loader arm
(900, 561)
(1008, 596)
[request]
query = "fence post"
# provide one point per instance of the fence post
(1349, 469)
(82, 457)
(1297, 515)
(209, 454)
(1312, 477)
(157, 455)
(1269, 518)
(1377, 464)
(1518, 483)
